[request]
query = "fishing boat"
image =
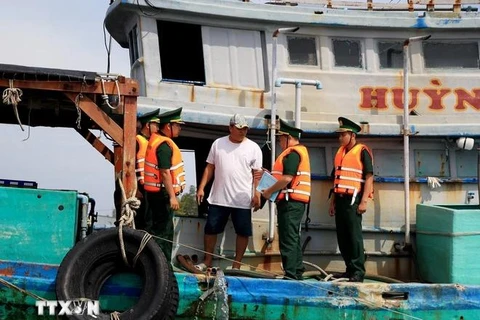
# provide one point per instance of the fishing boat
(408, 73)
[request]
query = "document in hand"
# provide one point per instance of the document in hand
(265, 182)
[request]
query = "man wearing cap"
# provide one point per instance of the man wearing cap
(147, 124)
(292, 171)
(353, 185)
(233, 160)
(164, 178)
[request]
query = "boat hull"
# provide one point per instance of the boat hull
(259, 298)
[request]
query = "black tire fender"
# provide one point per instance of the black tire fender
(93, 260)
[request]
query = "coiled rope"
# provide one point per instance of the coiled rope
(129, 208)
(12, 96)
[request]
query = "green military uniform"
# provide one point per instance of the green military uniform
(289, 217)
(348, 222)
(142, 212)
(159, 202)
(143, 215)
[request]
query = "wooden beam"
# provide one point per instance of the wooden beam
(97, 144)
(99, 117)
(128, 87)
(129, 178)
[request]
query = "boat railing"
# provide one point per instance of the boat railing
(409, 5)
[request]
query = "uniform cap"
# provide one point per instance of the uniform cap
(286, 129)
(172, 116)
(151, 116)
(345, 125)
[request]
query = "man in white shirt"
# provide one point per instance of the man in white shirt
(233, 159)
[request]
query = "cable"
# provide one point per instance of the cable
(107, 47)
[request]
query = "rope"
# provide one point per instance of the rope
(115, 315)
(105, 96)
(79, 112)
(13, 96)
(25, 292)
(146, 237)
(129, 207)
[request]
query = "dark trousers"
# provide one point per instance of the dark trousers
(289, 218)
(143, 216)
(349, 235)
(161, 220)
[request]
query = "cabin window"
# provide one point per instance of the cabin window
(390, 54)
(181, 52)
(234, 58)
(451, 55)
(302, 50)
(133, 44)
(347, 53)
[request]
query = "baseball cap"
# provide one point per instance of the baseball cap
(238, 121)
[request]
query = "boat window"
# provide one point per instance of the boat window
(133, 44)
(390, 54)
(302, 50)
(347, 53)
(234, 59)
(181, 52)
(451, 55)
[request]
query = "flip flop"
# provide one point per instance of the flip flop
(201, 267)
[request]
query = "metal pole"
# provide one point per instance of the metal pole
(298, 94)
(406, 143)
(273, 140)
(406, 133)
(298, 104)
(273, 122)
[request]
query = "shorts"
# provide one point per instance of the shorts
(218, 217)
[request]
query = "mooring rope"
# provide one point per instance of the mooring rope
(13, 96)
(12, 286)
(129, 207)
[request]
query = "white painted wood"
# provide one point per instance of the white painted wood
(233, 58)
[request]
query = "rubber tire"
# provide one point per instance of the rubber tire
(173, 299)
(93, 260)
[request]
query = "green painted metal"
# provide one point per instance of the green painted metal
(447, 243)
(22, 211)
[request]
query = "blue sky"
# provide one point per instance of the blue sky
(66, 35)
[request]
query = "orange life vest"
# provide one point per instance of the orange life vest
(142, 149)
(299, 188)
(349, 170)
(153, 179)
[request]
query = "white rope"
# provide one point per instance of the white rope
(12, 286)
(146, 237)
(79, 112)
(129, 207)
(13, 96)
(105, 96)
